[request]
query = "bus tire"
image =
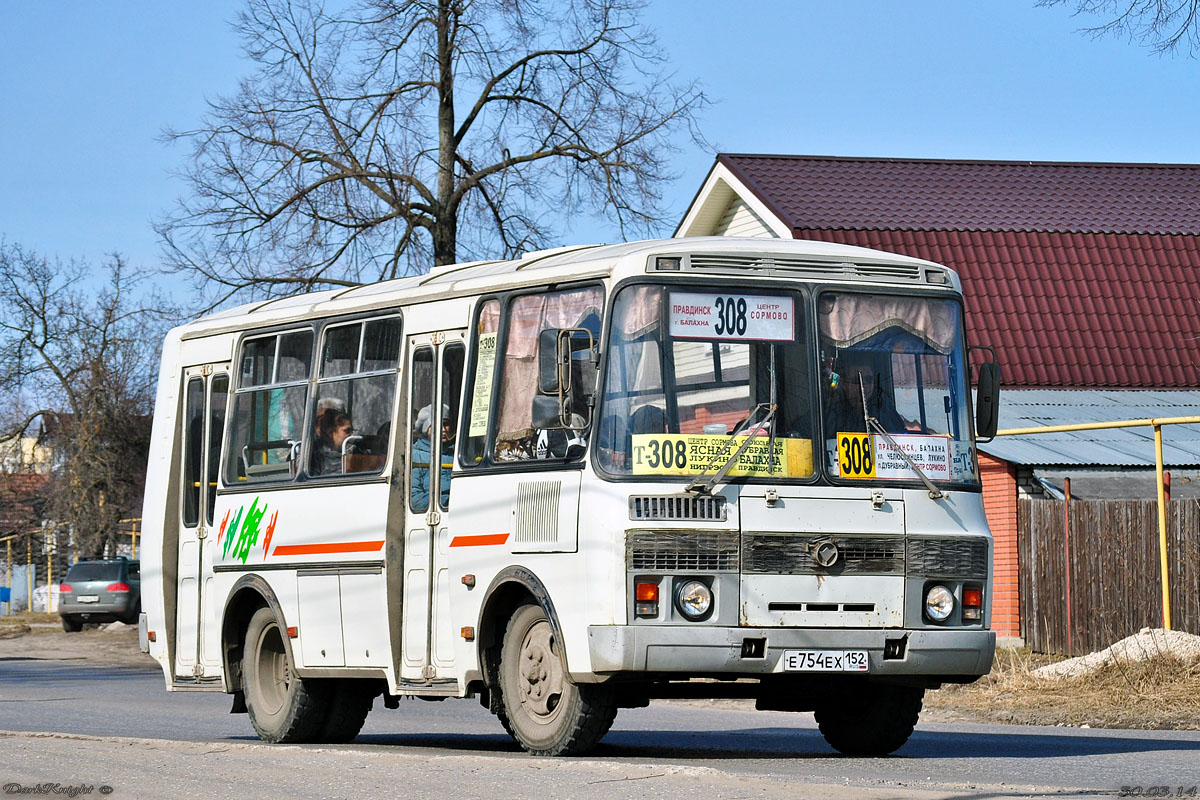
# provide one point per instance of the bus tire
(283, 707)
(873, 720)
(350, 701)
(545, 711)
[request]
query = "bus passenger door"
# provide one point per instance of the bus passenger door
(434, 397)
(202, 425)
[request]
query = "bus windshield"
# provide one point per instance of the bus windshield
(894, 365)
(692, 373)
(687, 368)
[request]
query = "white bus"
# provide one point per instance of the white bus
(576, 482)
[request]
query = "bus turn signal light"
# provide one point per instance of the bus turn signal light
(972, 604)
(647, 600)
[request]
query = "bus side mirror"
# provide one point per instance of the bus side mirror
(550, 361)
(561, 353)
(567, 363)
(546, 412)
(987, 401)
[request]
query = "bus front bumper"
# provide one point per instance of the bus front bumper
(701, 649)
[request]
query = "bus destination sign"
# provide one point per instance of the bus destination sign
(748, 317)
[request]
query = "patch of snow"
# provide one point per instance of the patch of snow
(1142, 646)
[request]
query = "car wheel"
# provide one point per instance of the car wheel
(283, 707)
(546, 712)
(72, 624)
(873, 720)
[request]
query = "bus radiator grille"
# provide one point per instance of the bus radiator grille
(677, 507)
(950, 558)
(788, 554)
(676, 551)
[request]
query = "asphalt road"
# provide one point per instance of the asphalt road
(743, 747)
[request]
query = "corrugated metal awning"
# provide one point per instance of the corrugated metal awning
(1115, 447)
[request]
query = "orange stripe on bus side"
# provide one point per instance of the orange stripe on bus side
(322, 549)
(481, 539)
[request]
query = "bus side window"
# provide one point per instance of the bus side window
(453, 356)
(528, 316)
(218, 397)
(193, 441)
(474, 439)
(267, 428)
(421, 429)
(355, 392)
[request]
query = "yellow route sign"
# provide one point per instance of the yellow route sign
(697, 453)
(856, 455)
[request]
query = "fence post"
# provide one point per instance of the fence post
(1162, 526)
(1067, 554)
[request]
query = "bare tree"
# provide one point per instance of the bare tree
(1164, 26)
(80, 363)
(371, 143)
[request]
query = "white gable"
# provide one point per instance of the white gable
(725, 207)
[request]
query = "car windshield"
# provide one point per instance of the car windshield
(894, 365)
(95, 571)
(688, 367)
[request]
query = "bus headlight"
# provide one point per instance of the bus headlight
(939, 603)
(694, 600)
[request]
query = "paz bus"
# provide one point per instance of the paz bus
(576, 482)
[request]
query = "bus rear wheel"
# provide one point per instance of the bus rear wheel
(350, 701)
(282, 706)
(546, 712)
(873, 720)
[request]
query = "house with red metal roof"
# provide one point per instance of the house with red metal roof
(1084, 277)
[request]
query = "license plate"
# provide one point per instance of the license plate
(89, 598)
(825, 660)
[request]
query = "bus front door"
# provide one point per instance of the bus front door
(197, 644)
(434, 393)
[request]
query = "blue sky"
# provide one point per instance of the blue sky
(87, 88)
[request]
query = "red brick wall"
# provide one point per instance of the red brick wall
(1000, 504)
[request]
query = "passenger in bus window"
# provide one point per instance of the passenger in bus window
(422, 455)
(333, 427)
(855, 381)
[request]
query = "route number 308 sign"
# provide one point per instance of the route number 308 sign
(856, 455)
(750, 317)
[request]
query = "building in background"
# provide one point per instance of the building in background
(1084, 277)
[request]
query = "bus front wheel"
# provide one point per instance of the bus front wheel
(283, 707)
(873, 720)
(546, 712)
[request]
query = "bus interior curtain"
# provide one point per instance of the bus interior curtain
(853, 319)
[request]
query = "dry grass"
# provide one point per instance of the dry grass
(30, 618)
(27, 623)
(1160, 693)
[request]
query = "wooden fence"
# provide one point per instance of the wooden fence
(1115, 584)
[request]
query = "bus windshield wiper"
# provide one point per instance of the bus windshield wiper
(704, 483)
(873, 425)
